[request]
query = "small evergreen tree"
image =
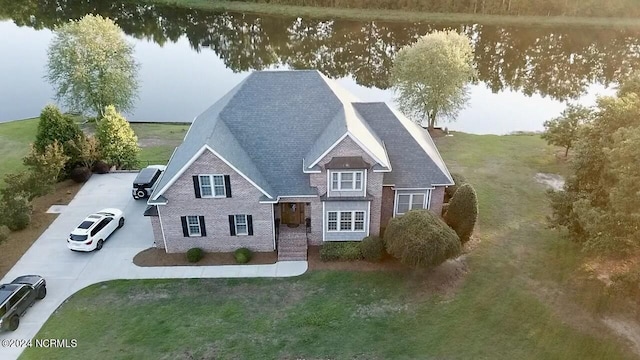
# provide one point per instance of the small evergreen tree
(15, 211)
(462, 212)
(449, 191)
(53, 126)
(45, 167)
(84, 150)
(420, 239)
(118, 144)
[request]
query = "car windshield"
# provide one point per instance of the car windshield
(85, 225)
(2, 311)
(77, 237)
(106, 213)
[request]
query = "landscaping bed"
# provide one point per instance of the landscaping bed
(158, 257)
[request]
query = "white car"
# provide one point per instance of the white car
(95, 229)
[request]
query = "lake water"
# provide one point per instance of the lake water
(190, 58)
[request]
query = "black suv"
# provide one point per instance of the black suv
(146, 181)
(17, 297)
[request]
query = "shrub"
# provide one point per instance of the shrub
(463, 212)
(4, 233)
(372, 248)
(242, 255)
(194, 255)
(45, 167)
(449, 191)
(340, 250)
(445, 207)
(118, 144)
(54, 126)
(101, 167)
(83, 150)
(80, 174)
(420, 239)
(18, 183)
(16, 211)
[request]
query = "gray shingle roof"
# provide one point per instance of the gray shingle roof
(266, 124)
(415, 160)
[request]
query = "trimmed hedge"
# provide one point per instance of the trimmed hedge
(194, 255)
(80, 174)
(449, 191)
(420, 239)
(462, 213)
(242, 255)
(340, 250)
(372, 248)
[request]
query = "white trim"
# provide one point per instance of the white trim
(428, 207)
(389, 185)
(194, 158)
(189, 226)
(364, 182)
(384, 163)
(164, 238)
(429, 188)
(395, 201)
(323, 223)
(382, 171)
(368, 217)
(273, 225)
(411, 195)
(213, 186)
(353, 180)
(328, 184)
(328, 150)
(353, 221)
(246, 224)
(286, 196)
(304, 169)
(441, 185)
(188, 130)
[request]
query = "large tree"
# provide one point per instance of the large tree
(91, 65)
(430, 76)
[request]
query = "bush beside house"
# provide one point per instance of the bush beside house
(420, 239)
(340, 250)
(372, 248)
(194, 255)
(462, 212)
(242, 255)
(449, 191)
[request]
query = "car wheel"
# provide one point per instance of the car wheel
(141, 194)
(121, 223)
(42, 292)
(99, 244)
(14, 323)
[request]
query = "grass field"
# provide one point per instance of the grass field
(499, 311)
(15, 138)
(394, 15)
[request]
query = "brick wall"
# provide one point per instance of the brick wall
(158, 240)
(244, 200)
(388, 202)
(437, 198)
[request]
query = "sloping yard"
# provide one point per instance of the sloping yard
(511, 305)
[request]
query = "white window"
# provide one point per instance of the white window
(193, 223)
(241, 225)
(408, 202)
(346, 181)
(332, 219)
(212, 186)
(349, 220)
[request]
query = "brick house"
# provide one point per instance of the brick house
(288, 159)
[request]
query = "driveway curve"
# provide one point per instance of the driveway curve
(66, 272)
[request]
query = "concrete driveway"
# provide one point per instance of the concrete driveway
(66, 271)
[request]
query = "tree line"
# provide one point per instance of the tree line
(559, 62)
(589, 8)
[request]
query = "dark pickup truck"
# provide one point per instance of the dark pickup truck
(17, 297)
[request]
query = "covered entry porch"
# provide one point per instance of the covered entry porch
(293, 224)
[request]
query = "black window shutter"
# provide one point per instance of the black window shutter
(185, 228)
(227, 185)
(203, 228)
(196, 185)
(250, 224)
(232, 225)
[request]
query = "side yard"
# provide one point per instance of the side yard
(519, 300)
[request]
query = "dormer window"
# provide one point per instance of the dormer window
(346, 180)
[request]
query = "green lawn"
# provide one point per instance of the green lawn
(496, 313)
(15, 138)
(392, 15)
(158, 141)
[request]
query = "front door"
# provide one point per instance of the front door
(292, 213)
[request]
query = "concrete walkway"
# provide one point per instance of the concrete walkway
(66, 272)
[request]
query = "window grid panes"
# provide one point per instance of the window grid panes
(351, 180)
(205, 185)
(241, 225)
(334, 181)
(218, 185)
(345, 221)
(408, 202)
(332, 218)
(358, 224)
(194, 225)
